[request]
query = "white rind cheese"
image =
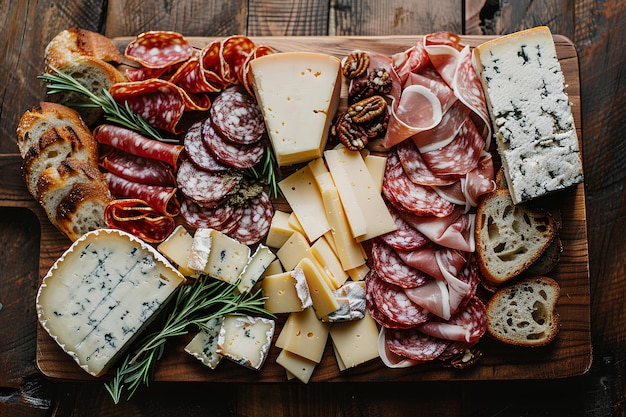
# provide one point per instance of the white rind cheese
(204, 344)
(101, 293)
(246, 340)
(530, 110)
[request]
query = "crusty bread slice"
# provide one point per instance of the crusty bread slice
(46, 115)
(81, 210)
(509, 238)
(55, 145)
(524, 313)
(85, 56)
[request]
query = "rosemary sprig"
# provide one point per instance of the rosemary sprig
(267, 173)
(113, 112)
(194, 305)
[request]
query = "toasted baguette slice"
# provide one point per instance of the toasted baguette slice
(81, 210)
(46, 115)
(509, 237)
(524, 313)
(85, 56)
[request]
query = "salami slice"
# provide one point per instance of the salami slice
(236, 49)
(158, 49)
(413, 344)
(458, 157)
(135, 144)
(405, 194)
(192, 79)
(229, 153)
(138, 218)
(391, 300)
(198, 217)
(198, 152)
(390, 267)
(378, 316)
(236, 115)
(162, 199)
(137, 169)
(404, 237)
(416, 168)
(203, 187)
(255, 220)
(467, 325)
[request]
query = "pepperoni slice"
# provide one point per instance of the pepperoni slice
(391, 300)
(136, 144)
(198, 217)
(390, 267)
(229, 153)
(198, 152)
(403, 193)
(236, 115)
(255, 220)
(162, 199)
(405, 237)
(158, 49)
(137, 169)
(205, 187)
(413, 344)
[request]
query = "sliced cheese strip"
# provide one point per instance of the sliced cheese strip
(324, 301)
(255, 268)
(305, 335)
(296, 366)
(177, 247)
(355, 342)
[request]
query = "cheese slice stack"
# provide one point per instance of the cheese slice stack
(101, 293)
(298, 93)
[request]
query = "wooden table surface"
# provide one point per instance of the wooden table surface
(597, 28)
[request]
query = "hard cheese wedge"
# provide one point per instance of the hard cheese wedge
(298, 93)
(101, 293)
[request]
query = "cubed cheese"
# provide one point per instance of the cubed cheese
(246, 340)
(227, 257)
(204, 344)
(286, 292)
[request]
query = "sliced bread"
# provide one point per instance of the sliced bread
(524, 313)
(86, 56)
(509, 238)
(81, 210)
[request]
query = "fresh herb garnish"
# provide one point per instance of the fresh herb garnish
(113, 112)
(195, 304)
(267, 173)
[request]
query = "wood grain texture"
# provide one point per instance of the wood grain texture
(569, 355)
(288, 18)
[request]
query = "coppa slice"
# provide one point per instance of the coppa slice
(298, 93)
(99, 295)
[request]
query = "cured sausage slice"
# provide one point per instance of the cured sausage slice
(236, 115)
(404, 237)
(467, 325)
(236, 49)
(203, 187)
(405, 194)
(229, 153)
(390, 267)
(379, 317)
(158, 49)
(162, 199)
(198, 152)
(136, 144)
(198, 217)
(391, 300)
(135, 216)
(413, 344)
(255, 220)
(137, 169)
(416, 168)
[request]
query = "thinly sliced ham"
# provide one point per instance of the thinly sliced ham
(479, 181)
(432, 296)
(447, 261)
(454, 231)
(445, 131)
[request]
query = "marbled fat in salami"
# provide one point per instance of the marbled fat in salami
(255, 220)
(136, 144)
(391, 300)
(390, 267)
(404, 237)
(198, 217)
(162, 199)
(416, 168)
(232, 154)
(467, 325)
(137, 169)
(236, 115)
(203, 187)
(378, 316)
(198, 152)
(413, 344)
(158, 49)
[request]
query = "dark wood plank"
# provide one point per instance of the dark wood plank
(395, 17)
(288, 18)
(191, 18)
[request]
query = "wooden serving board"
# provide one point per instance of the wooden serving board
(568, 355)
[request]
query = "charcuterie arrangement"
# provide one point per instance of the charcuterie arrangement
(354, 200)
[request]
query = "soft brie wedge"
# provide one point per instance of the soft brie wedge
(101, 293)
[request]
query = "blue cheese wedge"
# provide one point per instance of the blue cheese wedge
(246, 340)
(204, 344)
(254, 269)
(101, 293)
(531, 115)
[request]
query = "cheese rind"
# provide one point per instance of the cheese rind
(176, 246)
(204, 344)
(101, 293)
(298, 93)
(246, 340)
(530, 111)
(254, 269)
(227, 257)
(286, 292)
